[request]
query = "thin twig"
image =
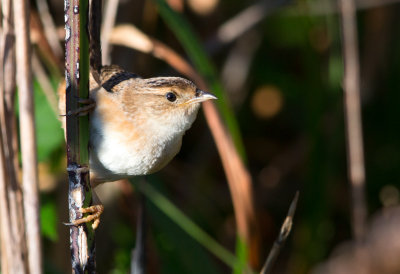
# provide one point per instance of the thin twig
(354, 140)
(108, 24)
(280, 241)
(50, 29)
(236, 67)
(138, 262)
(242, 22)
(38, 37)
(28, 136)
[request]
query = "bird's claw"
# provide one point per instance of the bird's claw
(95, 212)
(89, 103)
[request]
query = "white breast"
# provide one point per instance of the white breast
(114, 155)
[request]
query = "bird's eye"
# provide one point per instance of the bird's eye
(170, 96)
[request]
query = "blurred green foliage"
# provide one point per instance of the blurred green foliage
(50, 135)
(48, 220)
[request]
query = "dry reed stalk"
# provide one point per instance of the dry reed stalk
(5, 233)
(28, 136)
(355, 153)
(50, 29)
(108, 25)
(82, 244)
(8, 88)
(13, 255)
(13, 248)
(44, 46)
(239, 180)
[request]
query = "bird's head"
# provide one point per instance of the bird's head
(163, 101)
(172, 101)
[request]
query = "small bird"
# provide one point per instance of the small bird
(136, 125)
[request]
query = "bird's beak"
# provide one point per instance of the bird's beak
(201, 96)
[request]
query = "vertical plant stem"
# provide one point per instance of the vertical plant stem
(77, 84)
(353, 116)
(13, 246)
(28, 136)
(5, 233)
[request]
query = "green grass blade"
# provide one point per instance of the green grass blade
(242, 254)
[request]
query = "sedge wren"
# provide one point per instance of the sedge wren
(137, 124)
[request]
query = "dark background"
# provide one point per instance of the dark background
(283, 78)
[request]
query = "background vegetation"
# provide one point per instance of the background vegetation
(282, 78)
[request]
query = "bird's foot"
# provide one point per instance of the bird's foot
(89, 105)
(95, 212)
